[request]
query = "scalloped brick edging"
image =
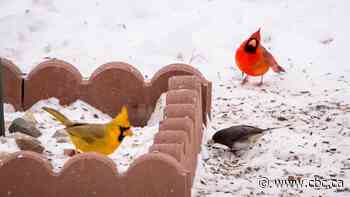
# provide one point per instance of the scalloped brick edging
(109, 87)
(167, 170)
(28, 174)
(12, 77)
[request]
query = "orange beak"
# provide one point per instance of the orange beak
(129, 132)
(256, 35)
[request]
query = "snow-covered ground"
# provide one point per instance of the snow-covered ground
(150, 34)
(308, 38)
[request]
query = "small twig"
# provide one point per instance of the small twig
(341, 129)
(193, 57)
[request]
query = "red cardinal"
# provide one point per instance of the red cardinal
(254, 60)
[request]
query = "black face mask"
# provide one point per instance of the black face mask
(249, 48)
(122, 130)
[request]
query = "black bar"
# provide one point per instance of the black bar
(2, 122)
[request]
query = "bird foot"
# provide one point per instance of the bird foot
(260, 84)
(244, 81)
(261, 81)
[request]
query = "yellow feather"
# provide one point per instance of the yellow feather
(101, 138)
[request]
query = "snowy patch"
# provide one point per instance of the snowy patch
(158, 114)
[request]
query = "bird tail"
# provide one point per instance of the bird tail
(273, 128)
(277, 68)
(59, 116)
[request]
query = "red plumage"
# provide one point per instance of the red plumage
(254, 60)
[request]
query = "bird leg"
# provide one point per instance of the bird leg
(229, 152)
(245, 80)
(261, 80)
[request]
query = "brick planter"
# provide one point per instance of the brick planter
(167, 170)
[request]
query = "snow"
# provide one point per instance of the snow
(160, 106)
(152, 34)
(8, 108)
(308, 38)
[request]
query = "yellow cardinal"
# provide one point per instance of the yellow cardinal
(101, 138)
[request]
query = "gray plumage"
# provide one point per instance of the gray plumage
(236, 134)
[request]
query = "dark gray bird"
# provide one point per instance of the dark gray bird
(238, 137)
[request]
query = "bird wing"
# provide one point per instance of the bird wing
(240, 132)
(88, 132)
(249, 129)
(270, 60)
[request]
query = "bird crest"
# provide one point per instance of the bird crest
(122, 119)
(256, 35)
